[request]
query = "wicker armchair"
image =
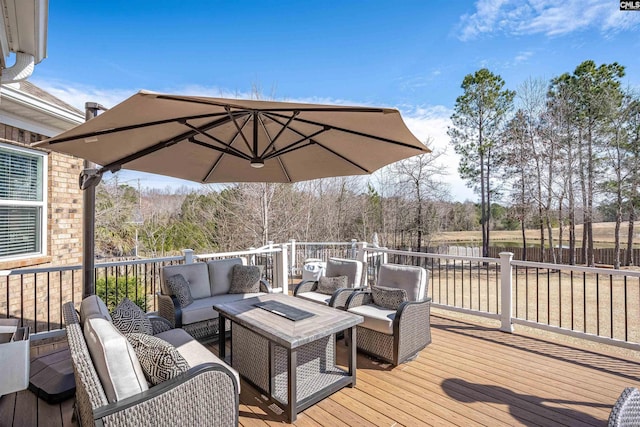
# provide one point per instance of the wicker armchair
(626, 411)
(353, 269)
(394, 335)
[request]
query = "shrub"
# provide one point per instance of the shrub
(113, 292)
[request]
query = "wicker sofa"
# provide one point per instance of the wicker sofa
(110, 392)
(209, 283)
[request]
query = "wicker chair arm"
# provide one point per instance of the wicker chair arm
(265, 287)
(169, 308)
(412, 327)
(359, 298)
(206, 394)
(159, 323)
(341, 296)
(305, 286)
(626, 410)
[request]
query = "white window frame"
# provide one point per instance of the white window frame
(42, 204)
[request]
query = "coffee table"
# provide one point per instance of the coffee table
(293, 361)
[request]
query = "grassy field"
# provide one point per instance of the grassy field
(603, 235)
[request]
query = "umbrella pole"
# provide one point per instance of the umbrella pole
(88, 186)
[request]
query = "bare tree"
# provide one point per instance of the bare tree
(417, 179)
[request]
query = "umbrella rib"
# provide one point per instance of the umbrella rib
(232, 117)
(221, 150)
(301, 140)
(282, 129)
(116, 165)
(219, 141)
(287, 150)
(272, 141)
(354, 132)
(131, 127)
(284, 169)
(228, 151)
(343, 157)
(292, 146)
(311, 141)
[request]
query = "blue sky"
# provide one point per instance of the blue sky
(410, 55)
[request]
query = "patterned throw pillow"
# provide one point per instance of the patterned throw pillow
(180, 288)
(328, 285)
(245, 279)
(128, 317)
(159, 359)
(390, 298)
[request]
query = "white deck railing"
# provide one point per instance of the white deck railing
(597, 304)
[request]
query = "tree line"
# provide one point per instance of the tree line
(557, 149)
(403, 205)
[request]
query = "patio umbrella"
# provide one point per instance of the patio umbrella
(229, 140)
(211, 140)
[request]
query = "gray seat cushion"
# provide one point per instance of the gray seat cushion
(196, 274)
(315, 297)
(375, 318)
(202, 309)
(192, 351)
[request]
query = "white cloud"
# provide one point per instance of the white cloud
(77, 95)
(552, 18)
(430, 125)
(523, 56)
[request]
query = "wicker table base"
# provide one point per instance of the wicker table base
(298, 370)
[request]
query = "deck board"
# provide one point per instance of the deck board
(470, 375)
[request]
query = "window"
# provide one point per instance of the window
(22, 202)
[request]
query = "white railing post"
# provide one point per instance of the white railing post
(361, 254)
(292, 255)
(252, 257)
(188, 256)
(354, 248)
(281, 270)
(506, 285)
(362, 257)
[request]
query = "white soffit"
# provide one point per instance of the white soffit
(31, 113)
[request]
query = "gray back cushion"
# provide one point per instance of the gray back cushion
(114, 359)
(220, 274)
(345, 267)
(408, 277)
(93, 306)
(196, 274)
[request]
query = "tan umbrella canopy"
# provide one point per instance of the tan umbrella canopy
(229, 140)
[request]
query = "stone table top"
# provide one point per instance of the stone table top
(288, 333)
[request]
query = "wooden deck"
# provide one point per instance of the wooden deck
(470, 375)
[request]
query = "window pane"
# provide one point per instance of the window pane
(20, 176)
(19, 230)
